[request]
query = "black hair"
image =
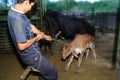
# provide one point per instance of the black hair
(33, 1)
(21, 1)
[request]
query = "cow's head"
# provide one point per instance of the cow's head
(52, 22)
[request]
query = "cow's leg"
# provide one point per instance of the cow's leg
(68, 64)
(51, 47)
(79, 62)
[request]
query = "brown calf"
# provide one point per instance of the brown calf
(80, 45)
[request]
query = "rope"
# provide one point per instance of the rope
(59, 41)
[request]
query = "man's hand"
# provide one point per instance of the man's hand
(47, 37)
(39, 36)
(43, 36)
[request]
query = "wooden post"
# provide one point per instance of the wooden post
(25, 73)
(116, 55)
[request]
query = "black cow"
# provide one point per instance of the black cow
(66, 26)
(60, 25)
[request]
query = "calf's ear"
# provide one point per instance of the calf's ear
(65, 47)
(68, 47)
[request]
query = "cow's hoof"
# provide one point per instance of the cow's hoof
(52, 54)
(65, 70)
(77, 70)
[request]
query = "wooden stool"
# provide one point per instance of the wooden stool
(27, 71)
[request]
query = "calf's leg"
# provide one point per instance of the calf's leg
(79, 63)
(87, 53)
(68, 64)
(94, 54)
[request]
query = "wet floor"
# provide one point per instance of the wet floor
(102, 69)
(11, 69)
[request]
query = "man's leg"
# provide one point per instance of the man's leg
(47, 70)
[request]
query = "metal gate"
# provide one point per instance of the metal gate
(117, 44)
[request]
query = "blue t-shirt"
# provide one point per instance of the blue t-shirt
(20, 31)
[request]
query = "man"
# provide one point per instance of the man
(22, 33)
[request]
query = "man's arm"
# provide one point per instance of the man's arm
(23, 46)
(37, 31)
(39, 35)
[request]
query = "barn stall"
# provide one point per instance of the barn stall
(103, 69)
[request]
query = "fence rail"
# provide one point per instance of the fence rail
(5, 40)
(104, 20)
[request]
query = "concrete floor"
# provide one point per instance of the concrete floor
(11, 68)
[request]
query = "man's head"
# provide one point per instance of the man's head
(21, 1)
(26, 5)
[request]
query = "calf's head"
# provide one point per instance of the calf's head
(67, 50)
